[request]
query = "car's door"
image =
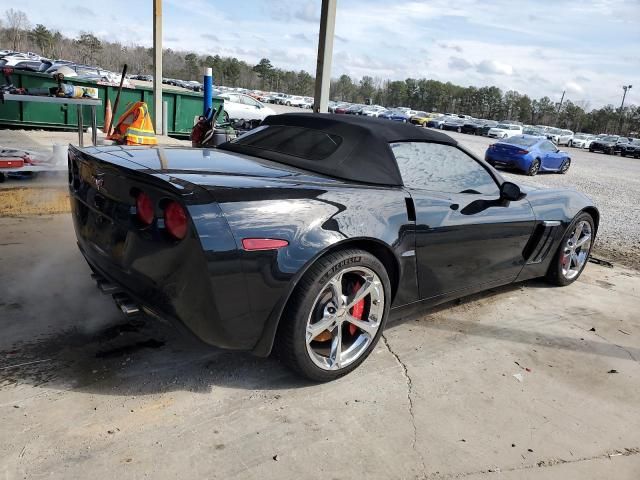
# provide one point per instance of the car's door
(251, 107)
(553, 158)
(466, 236)
(232, 105)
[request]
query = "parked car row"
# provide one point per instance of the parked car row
(35, 63)
(609, 144)
(615, 144)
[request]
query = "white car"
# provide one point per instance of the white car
(559, 137)
(581, 140)
(372, 110)
(505, 130)
(294, 101)
(238, 106)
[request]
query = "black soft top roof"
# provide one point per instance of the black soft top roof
(364, 155)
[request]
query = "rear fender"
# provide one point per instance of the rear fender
(315, 221)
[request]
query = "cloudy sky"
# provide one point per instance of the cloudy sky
(588, 48)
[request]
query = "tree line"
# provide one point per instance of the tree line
(488, 102)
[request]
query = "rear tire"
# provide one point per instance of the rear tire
(316, 301)
(534, 168)
(558, 273)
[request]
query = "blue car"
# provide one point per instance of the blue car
(528, 153)
(396, 115)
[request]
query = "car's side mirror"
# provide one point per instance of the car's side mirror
(510, 191)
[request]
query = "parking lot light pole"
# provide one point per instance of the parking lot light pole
(625, 88)
(325, 55)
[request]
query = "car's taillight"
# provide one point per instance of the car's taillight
(251, 244)
(522, 152)
(175, 220)
(144, 208)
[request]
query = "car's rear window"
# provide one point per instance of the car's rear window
(522, 142)
(295, 141)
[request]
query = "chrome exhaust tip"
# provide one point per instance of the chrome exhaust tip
(126, 305)
(107, 288)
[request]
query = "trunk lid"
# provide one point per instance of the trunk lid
(508, 151)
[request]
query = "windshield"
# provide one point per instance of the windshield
(580, 137)
(522, 141)
(610, 138)
(503, 126)
(554, 131)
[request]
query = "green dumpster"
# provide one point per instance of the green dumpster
(183, 108)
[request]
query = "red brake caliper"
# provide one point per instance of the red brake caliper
(357, 310)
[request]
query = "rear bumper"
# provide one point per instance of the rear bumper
(518, 163)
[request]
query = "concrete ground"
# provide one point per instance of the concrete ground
(84, 393)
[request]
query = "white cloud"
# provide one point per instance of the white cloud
(494, 67)
(457, 63)
(573, 87)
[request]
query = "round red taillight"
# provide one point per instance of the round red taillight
(175, 220)
(144, 208)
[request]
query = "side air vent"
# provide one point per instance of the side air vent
(541, 241)
(411, 209)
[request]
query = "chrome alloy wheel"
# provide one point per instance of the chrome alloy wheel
(576, 250)
(345, 318)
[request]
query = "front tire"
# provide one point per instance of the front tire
(534, 168)
(573, 253)
(565, 166)
(335, 316)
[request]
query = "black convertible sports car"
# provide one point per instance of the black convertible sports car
(310, 231)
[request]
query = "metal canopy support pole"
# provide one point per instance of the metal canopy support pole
(157, 66)
(94, 126)
(80, 126)
(325, 55)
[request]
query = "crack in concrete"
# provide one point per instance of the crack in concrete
(625, 452)
(631, 356)
(405, 374)
(619, 346)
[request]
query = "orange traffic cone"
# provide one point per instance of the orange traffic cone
(107, 117)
